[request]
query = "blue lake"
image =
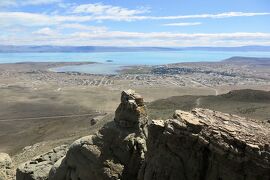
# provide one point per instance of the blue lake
(123, 58)
(104, 68)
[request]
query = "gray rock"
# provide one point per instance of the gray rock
(208, 145)
(39, 167)
(131, 112)
(58, 170)
(6, 167)
(197, 145)
(115, 152)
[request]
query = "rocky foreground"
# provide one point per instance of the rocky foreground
(197, 145)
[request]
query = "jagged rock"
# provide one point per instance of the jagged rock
(207, 145)
(131, 113)
(6, 167)
(197, 145)
(115, 152)
(39, 167)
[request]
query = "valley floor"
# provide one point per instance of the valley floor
(40, 109)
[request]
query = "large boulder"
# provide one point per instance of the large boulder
(115, 152)
(6, 167)
(207, 145)
(39, 167)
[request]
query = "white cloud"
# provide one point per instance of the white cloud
(213, 16)
(183, 24)
(74, 28)
(66, 5)
(196, 16)
(83, 27)
(108, 10)
(45, 32)
(122, 17)
(23, 18)
(99, 12)
(39, 2)
(35, 19)
(122, 38)
(169, 35)
(7, 3)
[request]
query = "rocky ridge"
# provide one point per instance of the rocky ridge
(197, 145)
(207, 145)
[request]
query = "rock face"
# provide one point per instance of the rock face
(197, 145)
(207, 145)
(39, 167)
(115, 152)
(6, 167)
(131, 113)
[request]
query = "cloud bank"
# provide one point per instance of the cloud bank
(80, 25)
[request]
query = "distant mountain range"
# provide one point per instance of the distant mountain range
(33, 49)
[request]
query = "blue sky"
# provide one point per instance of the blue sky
(135, 22)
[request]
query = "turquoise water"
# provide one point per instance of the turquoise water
(127, 58)
(123, 58)
(91, 68)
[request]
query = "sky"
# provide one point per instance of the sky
(160, 23)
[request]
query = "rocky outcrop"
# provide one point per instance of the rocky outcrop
(6, 167)
(207, 145)
(131, 113)
(197, 145)
(39, 167)
(115, 152)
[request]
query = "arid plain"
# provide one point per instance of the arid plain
(41, 109)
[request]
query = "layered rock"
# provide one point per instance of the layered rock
(115, 152)
(39, 167)
(6, 167)
(197, 145)
(207, 145)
